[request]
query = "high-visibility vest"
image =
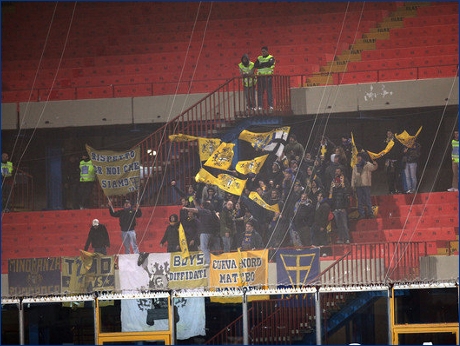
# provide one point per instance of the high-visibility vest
(7, 169)
(248, 81)
(265, 70)
(87, 172)
(455, 151)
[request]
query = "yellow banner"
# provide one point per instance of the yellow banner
(374, 156)
(251, 166)
(222, 157)
(118, 172)
(272, 141)
(257, 140)
(187, 272)
(181, 138)
(406, 139)
(206, 146)
(203, 176)
(239, 269)
(254, 196)
(183, 242)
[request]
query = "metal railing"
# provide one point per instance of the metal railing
(278, 321)
(163, 160)
(18, 192)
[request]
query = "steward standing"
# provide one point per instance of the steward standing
(265, 65)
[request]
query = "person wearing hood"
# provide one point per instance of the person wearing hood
(171, 235)
(246, 67)
(321, 219)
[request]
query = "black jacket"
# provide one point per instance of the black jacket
(97, 237)
(127, 218)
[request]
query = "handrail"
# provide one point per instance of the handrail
(163, 160)
(20, 190)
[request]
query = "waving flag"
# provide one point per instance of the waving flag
(206, 146)
(406, 139)
(251, 166)
(183, 242)
(181, 138)
(354, 152)
(222, 157)
(254, 196)
(225, 182)
(278, 140)
(383, 152)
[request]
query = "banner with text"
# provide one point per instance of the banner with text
(87, 274)
(34, 276)
(118, 172)
(187, 272)
(238, 269)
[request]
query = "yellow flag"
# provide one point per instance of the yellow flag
(257, 140)
(374, 156)
(181, 138)
(254, 196)
(354, 152)
(87, 259)
(222, 157)
(203, 176)
(251, 166)
(206, 146)
(230, 184)
(406, 139)
(183, 242)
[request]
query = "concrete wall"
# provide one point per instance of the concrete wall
(159, 109)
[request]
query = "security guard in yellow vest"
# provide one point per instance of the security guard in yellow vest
(454, 163)
(265, 66)
(249, 81)
(7, 181)
(87, 179)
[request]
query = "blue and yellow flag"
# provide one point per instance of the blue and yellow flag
(222, 157)
(251, 166)
(225, 182)
(183, 242)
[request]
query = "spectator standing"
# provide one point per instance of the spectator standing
(339, 194)
(410, 159)
(98, 238)
(246, 67)
(319, 227)
(265, 65)
(191, 228)
(252, 240)
(293, 149)
(217, 202)
(208, 227)
(454, 163)
(190, 195)
(393, 164)
(302, 221)
(329, 174)
(171, 235)
(127, 217)
(87, 179)
(7, 180)
(361, 182)
(227, 226)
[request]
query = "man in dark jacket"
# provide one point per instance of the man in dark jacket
(304, 215)
(98, 238)
(319, 228)
(127, 217)
(171, 235)
(340, 189)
